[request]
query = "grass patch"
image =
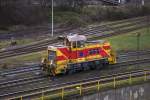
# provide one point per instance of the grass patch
(129, 41)
(22, 60)
(7, 43)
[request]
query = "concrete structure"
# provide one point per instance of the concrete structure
(138, 1)
(116, 2)
(102, 2)
(71, 2)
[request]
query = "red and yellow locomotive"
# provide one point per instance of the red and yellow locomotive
(76, 54)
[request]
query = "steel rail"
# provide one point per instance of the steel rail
(20, 70)
(133, 53)
(7, 84)
(110, 28)
(118, 32)
(36, 67)
(109, 24)
(103, 79)
(102, 26)
(45, 87)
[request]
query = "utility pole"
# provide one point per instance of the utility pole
(148, 23)
(52, 32)
(138, 45)
(136, 3)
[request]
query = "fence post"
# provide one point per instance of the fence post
(62, 94)
(130, 79)
(21, 98)
(42, 95)
(145, 76)
(98, 85)
(114, 82)
(80, 89)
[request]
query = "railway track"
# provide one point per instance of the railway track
(134, 53)
(27, 80)
(85, 85)
(36, 92)
(45, 85)
(35, 67)
(109, 27)
(137, 23)
(39, 30)
(20, 70)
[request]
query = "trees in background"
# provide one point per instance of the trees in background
(32, 12)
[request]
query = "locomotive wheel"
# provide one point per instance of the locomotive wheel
(71, 71)
(99, 65)
(105, 64)
(79, 66)
(92, 65)
(86, 67)
(65, 72)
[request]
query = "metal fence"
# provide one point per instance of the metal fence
(90, 86)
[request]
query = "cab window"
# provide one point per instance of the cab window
(51, 55)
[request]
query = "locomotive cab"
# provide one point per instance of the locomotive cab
(75, 41)
(49, 62)
(52, 58)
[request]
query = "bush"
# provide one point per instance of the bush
(68, 18)
(103, 13)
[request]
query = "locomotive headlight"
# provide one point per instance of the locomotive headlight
(51, 62)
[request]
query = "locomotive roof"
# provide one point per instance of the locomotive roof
(56, 46)
(96, 41)
(76, 37)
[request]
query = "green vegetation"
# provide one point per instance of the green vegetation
(68, 18)
(22, 60)
(66, 12)
(7, 43)
(129, 41)
(96, 14)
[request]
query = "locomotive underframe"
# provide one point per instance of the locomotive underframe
(76, 67)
